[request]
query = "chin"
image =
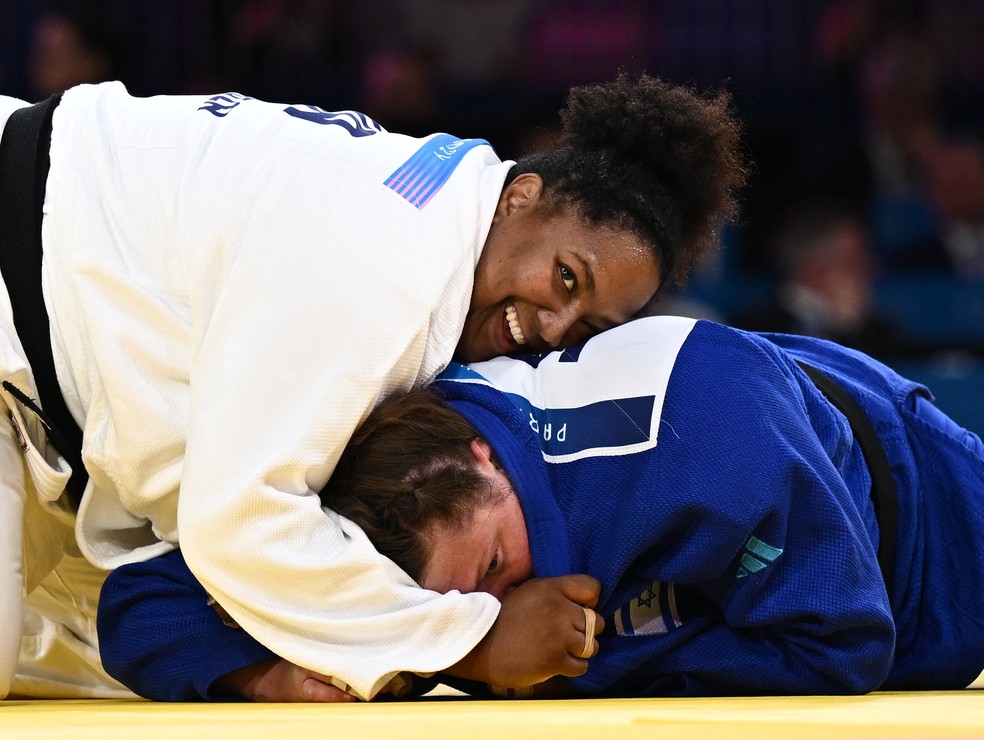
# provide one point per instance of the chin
(463, 353)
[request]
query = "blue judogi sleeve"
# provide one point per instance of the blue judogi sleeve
(159, 637)
(732, 540)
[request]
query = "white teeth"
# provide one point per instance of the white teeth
(512, 318)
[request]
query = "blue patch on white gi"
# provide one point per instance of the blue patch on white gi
(422, 176)
(652, 612)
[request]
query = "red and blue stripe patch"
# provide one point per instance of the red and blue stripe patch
(422, 176)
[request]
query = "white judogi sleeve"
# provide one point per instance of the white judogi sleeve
(233, 285)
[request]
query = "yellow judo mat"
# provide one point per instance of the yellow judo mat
(875, 716)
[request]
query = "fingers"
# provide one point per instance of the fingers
(579, 588)
(278, 680)
(597, 626)
(594, 625)
(573, 666)
(398, 686)
(319, 691)
(583, 643)
(590, 644)
(542, 631)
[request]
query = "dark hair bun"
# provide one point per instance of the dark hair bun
(669, 145)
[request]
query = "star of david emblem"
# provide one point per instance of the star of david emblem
(646, 598)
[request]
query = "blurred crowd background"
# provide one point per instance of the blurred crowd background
(864, 218)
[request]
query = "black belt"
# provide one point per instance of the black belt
(884, 495)
(23, 173)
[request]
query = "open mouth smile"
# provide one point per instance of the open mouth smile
(512, 320)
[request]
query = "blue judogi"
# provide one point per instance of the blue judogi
(718, 496)
(724, 505)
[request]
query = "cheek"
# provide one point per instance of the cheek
(525, 559)
(491, 288)
(497, 267)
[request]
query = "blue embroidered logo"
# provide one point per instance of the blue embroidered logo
(756, 557)
(220, 105)
(357, 124)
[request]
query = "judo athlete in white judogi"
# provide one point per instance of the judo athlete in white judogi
(218, 291)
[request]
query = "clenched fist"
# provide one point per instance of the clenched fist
(540, 633)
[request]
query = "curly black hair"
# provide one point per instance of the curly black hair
(660, 160)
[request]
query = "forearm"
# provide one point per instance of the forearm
(341, 609)
(161, 638)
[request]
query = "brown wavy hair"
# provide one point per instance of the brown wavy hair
(409, 468)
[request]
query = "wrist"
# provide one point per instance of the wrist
(474, 666)
(242, 682)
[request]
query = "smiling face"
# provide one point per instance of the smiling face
(488, 552)
(549, 279)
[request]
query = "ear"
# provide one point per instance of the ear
(522, 192)
(483, 455)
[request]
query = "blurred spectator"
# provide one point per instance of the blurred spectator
(399, 89)
(474, 43)
(903, 57)
(583, 41)
(955, 175)
(901, 129)
(72, 44)
(475, 53)
(826, 283)
(867, 111)
(696, 300)
(282, 48)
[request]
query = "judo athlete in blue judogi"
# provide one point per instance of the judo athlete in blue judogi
(766, 514)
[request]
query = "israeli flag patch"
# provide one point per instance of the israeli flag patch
(652, 612)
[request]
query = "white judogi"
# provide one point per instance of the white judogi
(232, 285)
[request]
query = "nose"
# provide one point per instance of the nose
(554, 325)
